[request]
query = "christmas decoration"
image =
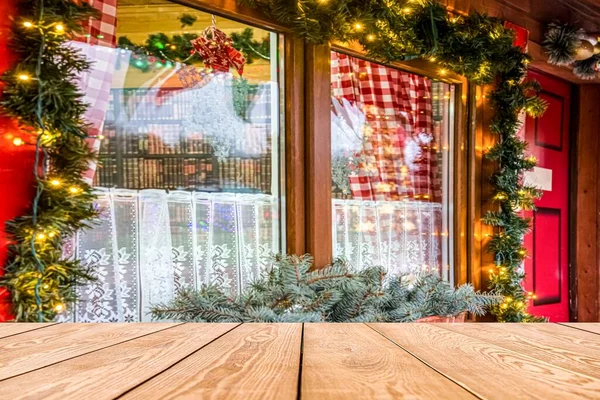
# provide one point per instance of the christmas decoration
(290, 291)
(41, 94)
(562, 42)
(161, 49)
(217, 51)
(566, 44)
(476, 46)
(587, 69)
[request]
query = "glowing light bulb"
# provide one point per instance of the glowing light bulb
(51, 234)
(24, 77)
(59, 28)
(17, 141)
(59, 307)
(443, 72)
(41, 236)
(358, 26)
(55, 182)
(370, 38)
(73, 189)
(27, 24)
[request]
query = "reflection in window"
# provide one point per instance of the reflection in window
(390, 158)
(188, 177)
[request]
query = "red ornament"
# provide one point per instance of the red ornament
(217, 51)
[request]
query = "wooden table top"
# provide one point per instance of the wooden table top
(286, 361)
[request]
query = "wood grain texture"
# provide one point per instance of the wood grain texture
(319, 240)
(232, 9)
(558, 345)
(585, 200)
(295, 206)
(488, 370)
(343, 361)
(585, 326)
(10, 329)
(110, 372)
(41, 347)
(254, 361)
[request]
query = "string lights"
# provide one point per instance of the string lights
(41, 282)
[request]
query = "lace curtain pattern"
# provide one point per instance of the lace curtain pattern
(148, 244)
(403, 237)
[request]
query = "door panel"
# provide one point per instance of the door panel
(547, 267)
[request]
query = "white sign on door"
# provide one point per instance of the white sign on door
(541, 178)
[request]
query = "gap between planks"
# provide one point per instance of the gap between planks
(8, 329)
(35, 349)
(583, 326)
(486, 368)
(112, 371)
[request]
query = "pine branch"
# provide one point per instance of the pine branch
(360, 296)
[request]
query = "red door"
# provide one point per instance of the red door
(547, 268)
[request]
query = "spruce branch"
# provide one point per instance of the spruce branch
(327, 295)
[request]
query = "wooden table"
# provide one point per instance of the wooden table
(286, 361)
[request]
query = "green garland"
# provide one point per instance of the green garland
(476, 46)
(40, 93)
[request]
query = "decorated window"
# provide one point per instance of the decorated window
(187, 108)
(391, 182)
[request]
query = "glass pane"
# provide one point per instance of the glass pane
(391, 135)
(189, 163)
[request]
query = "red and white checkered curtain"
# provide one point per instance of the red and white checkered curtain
(398, 108)
(98, 45)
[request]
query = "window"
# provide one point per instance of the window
(391, 181)
(189, 177)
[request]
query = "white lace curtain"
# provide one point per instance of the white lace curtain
(403, 237)
(150, 243)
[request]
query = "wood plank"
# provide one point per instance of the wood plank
(585, 326)
(112, 371)
(255, 361)
(11, 328)
(585, 201)
(319, 240)
(39, 348)
(489, 371)
(232, 9)
(344, 361)
(295, 206)
(565, 347)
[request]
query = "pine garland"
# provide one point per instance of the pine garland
(476, 46)
(40, 93)
(290, 291)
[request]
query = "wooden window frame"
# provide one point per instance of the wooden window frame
(293, 203)
(308, 197)
(466, 206)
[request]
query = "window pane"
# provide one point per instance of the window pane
(189, 177)
(391, 185)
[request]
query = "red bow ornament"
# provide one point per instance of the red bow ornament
(217, 51)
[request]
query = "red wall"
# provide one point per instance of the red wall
(16, 163)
